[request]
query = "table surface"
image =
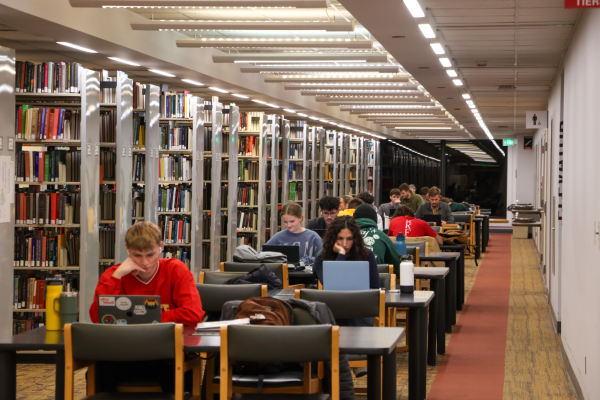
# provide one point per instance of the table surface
(353, 340)
(431, 272)
(420, 298)
(454, 254)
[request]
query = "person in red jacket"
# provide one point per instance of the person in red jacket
(404, 222)
(144, 273)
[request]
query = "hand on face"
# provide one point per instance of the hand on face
(338, 249)
(128, 267)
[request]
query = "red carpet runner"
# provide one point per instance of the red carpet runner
(473, 367)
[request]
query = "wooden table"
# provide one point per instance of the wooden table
(376, 343)
(437, 309)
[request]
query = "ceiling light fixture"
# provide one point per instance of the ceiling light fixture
(193, 82)
(427, 31)
(414, 8)
(446, 62)
(437, 48)
(457, 82)
(241, 96)
(330, 26)
(290, 69)
(200, 3)
(162, 73)
(335, 78)
(300, 57)
(273, 105)
(290, 111)
(259, 101)
(313, 118)
(328, 43)
(74, 46)
(302, 115)
(451, 73)
(466, 96)
(123, 61)
(217, 89)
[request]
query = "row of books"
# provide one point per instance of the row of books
(176, 105)
(297, 134)
(108, 201)
(250, 121)
(48, 166)
(138, 167)
(208, 138)
(329, 155)
(176, 138)
(247, 147)
(29, 293)
(137, 203)
(139, 131)
(108, 95)
(208, 113)
(248, 170)
(296, 151)
(328, 172)
(108, 126)
(107, 242)
(34, 123)
(180, 253)
(224, 195)
(247, 194)
(59, 77)
(24, 322)
(108, 164)
(207, 169)
(295, 191)
(139, 98)
(175, 168)
(175, 229)
(250, 239)
(247, 220)
(51, 208)
(225, 115)
(46, 248)
(174, 198)
(295, 170)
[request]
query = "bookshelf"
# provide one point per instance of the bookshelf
(297, 168)
(285, 167)
(265, 133)
(312, 212)
(232, 181)
(377, 181)
(272, 206)
(216, 176)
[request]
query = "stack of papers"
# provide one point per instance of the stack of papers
(216, 326)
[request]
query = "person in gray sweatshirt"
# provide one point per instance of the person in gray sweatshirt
(295, 234)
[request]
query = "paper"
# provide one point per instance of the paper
(7, 187)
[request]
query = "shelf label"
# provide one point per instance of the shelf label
(96, 149)
(123, 154)
(89, 149)
(130, 151)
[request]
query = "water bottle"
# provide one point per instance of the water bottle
(407, 275)
(53, 290)
(401, 244)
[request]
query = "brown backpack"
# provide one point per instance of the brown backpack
(266, 311)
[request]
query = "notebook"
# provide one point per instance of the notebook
(346, 275)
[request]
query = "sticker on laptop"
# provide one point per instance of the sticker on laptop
(123, 303)
(151, 303)
(121, 322)
(106, 300)
(108, 319)
(139, 310)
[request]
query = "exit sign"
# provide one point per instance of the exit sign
(484, 165)
(582, 3)
(508, 142)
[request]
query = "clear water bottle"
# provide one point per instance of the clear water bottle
(401, 244)
(407, 275)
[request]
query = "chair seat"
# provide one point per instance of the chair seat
(282, 379)
(241, 396)
(356, 357)
(136, 396)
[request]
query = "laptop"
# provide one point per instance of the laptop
(433, 218)
(129, 310)
(320, 232)
(291, 252)
(346, 275)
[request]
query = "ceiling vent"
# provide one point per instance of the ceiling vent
(423, 67)
(503, 127)
(481, 63)
(507, 88)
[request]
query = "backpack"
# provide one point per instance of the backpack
(247, 254)
(458, 238)
(261, 275)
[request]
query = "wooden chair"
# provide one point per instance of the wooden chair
(287, 344)
(279, 269)
(87, 343)
(469, 227)
(217, 277)
(385, 268)
(214, 296)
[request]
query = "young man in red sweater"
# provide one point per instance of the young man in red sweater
(144, 273)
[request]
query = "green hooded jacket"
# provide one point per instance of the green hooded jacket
(379, 243)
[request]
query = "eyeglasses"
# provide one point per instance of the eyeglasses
(329, 214)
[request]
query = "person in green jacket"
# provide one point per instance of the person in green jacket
(375, 240)
(410, 199)
(455, 207)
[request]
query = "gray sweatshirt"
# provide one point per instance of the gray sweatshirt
(310, 243)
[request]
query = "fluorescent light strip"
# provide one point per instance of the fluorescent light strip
(290, 111)
(437, 48)
(241, 96)
(427, 31)
(217, 89)
(123, 61)
(313, 118)
(162, 73)
(193, 82)
(451, 73)
(414, 8)
(74, 46)
(259, 101)
(273, 105)
(466, 96)
(446, 62)
(302, 115)
(457, 82)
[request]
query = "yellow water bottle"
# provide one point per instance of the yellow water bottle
(54, 288)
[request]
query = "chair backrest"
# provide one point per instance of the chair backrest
(385, 268)
(279, 269)
(387, 281)
(347, 304)
(214, 296)
(436, 228)
(218, 277)
(144, 342)
(416, 250)
(464, 218)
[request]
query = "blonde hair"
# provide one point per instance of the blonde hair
(347, 199)
(143, 236)
(292, 208)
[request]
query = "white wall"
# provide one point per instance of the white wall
(519, 172)
(580, 308)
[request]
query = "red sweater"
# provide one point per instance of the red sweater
(173, 282)
(410, 227)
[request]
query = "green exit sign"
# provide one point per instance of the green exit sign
(484, 165)
(508, 142)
